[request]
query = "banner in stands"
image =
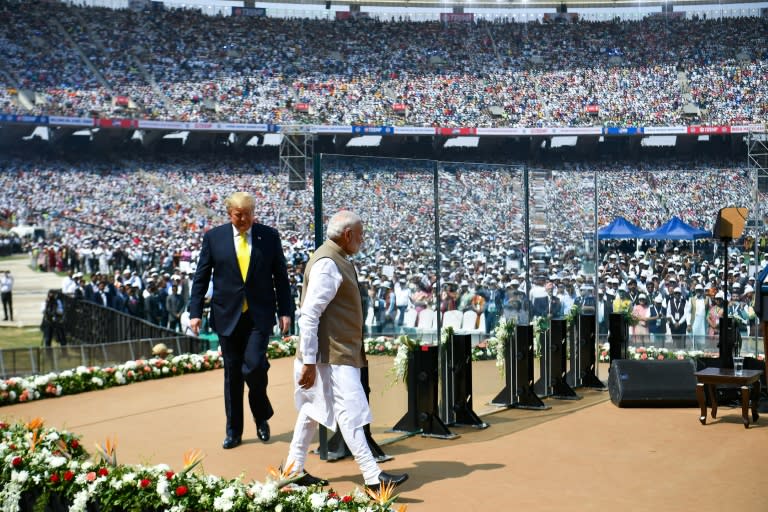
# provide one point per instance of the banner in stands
(414, 130)
(450, 17)
(249, 11)
(455, 131)
(162, 125)
(708, 130)
(665, 130)
(373, 130)
(345, 15)
(625, 130)
(116, 123)
(70, 121)
(128, 124)
(245, 127)
(319, 128)
(16, 118)
(564, 17)
(758, 128)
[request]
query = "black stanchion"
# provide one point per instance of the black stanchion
(583, 361)
(422, 415)
(554, 347)
(618, 336)
(456, 372)
(543, 386)
(519, 365)
(505, 398)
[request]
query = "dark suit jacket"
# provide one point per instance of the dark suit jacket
(266, 286)
(541, 307)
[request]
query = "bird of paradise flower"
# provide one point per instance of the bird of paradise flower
(108, 451)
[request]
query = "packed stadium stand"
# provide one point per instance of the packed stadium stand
(59, 59)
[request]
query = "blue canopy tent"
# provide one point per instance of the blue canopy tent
(620, 228)
(676, 229)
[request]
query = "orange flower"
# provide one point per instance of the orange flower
(108, 451)
(35, 424)
(385, 496)
(191, 459)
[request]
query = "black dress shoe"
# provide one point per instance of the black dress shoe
(388, 479)
(308, 480)
(231, 442)
(262, 430)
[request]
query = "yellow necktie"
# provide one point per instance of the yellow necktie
(243, 258)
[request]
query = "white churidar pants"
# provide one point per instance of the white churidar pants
(336, 398)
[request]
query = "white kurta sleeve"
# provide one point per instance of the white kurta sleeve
(323, 284)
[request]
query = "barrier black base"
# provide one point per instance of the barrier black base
(337, 448)
(528, 399)
(422, 415)
(456, 372)
(426, 424)
(466, 417)
(590, 380)
(562, 391)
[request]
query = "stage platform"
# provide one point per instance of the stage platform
(585, 455)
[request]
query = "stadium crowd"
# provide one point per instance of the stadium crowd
(133, 228)
(183, 65)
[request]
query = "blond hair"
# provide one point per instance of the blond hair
(240, 200)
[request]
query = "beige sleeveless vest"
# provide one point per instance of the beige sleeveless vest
(340, 333)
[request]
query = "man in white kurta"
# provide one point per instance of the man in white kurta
(327, 368)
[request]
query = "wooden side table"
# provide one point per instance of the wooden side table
(749, 381)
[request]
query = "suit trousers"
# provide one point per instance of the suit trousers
(245, 361)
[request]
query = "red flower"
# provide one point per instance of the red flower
(16, 462)
(332, 495)
(103, 471)
(145, 483)
(54, 478)
(181, 490)
(68, 475)
(346, 499)
(3, 425)
(169, 474)
(644, 356)
(74, 444)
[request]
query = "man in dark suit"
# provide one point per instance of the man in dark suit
(250, 286)
(547, 306)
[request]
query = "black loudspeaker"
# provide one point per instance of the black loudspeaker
(652, 383)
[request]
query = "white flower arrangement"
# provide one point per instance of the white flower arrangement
(30, 471)
(400, 365)
(503, 333)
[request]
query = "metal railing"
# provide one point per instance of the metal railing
(95, 336)
(23, 362)
(89, 323)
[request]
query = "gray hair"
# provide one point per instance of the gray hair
(341, 221)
